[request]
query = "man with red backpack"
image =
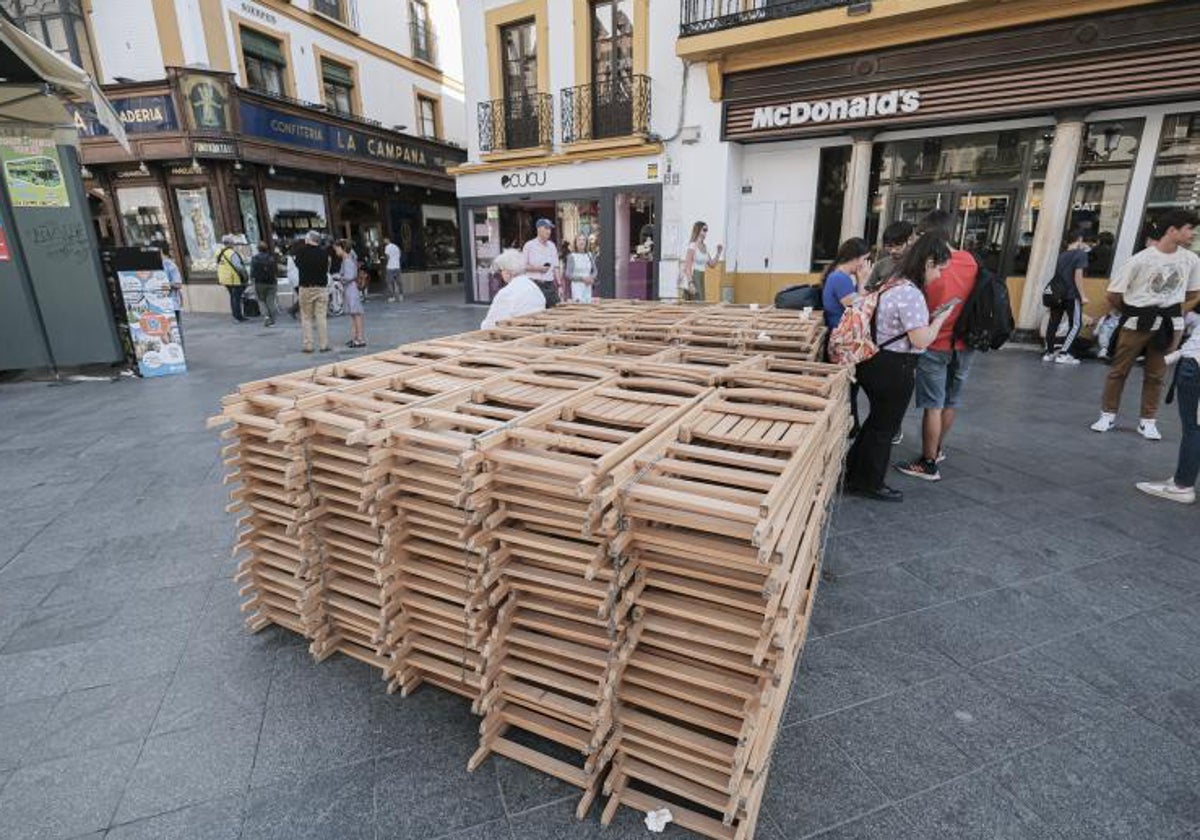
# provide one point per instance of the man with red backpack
(942, 369)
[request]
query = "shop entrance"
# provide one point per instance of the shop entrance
(983, 218)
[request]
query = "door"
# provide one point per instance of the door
(519, 43)
(913, 206)
(983, 226)
(612, 68)
(755, 247)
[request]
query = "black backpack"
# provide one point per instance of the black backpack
(798, 297)
(986, 322)
(1054, 294)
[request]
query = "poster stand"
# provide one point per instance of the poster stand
(145, 313)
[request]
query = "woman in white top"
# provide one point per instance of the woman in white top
(581, 270)
(519, 295)
(695, 260)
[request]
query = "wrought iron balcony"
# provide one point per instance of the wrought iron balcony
(616, 107)
(424, 40)
(522, 121)
(697, 17)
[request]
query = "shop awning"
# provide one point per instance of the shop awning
(260, 46)
(30, 75)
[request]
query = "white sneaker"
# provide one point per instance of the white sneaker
(1065, 359)
(1049, 357)
(1105, 423)
(391, 300)
(1149, 430)
(899, 438)
(1168, 490)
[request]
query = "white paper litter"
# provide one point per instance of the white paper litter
(764, 336)
(657, 820)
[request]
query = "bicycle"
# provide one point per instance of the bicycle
(337, 296)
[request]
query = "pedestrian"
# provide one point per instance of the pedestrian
(1150, 291)
(844, 279)
(262, 272)
(942, 369)
(1181, 487)
(1064, 294)
(695, 261)
(175, 281)
(312, 266)
(348, 277)
(541, 259)
(581, 270)
(896, 238)
(391, 252)
(519, 295)
(902, 330)
(232, 274)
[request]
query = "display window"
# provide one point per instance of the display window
(635, 249)
(441, 237)
(1175, 183)
(143, 215)
(1101, 186)
(293, 214)
(200, 234)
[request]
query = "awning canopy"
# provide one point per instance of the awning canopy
(33, 78)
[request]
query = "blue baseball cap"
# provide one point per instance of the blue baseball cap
(544, 223)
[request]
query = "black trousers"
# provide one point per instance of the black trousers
(888, 379)
(235, 302)
(1073, 310)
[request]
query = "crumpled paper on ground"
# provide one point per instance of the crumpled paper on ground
(657, 820)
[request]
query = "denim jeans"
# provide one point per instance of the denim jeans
(235, 302)
(1187, 392)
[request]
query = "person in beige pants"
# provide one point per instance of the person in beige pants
(312, 264)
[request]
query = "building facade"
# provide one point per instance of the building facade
(270, 118)
(791, 126)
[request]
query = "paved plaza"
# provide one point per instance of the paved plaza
(1014, 652)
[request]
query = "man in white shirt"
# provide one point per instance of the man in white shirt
(541, 254)
(392, 252)
(1151, 291)
(519, 296)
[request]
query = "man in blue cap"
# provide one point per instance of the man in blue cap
(541, 255)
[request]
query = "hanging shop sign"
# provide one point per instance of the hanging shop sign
(875, 104)
(139, 114)
(33, 172)
(305, 133)
(214, 148)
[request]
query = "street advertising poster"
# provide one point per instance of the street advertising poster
(33, 172)
(4, 253)
(152, 324)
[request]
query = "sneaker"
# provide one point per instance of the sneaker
(1105, 423)
(269, 323)
(1049, 357)
(922, 469)
(1149, 429)
(1065, 359)
(941, 456)
(326, 349)
(899, 438)
(391, 300)
(1168, 490)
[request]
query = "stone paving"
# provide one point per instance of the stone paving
(1014, 652)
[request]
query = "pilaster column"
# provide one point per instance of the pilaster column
(858, 186)
(1052, 220)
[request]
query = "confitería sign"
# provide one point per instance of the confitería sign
(890, 103)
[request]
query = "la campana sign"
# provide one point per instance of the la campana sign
(889, 103)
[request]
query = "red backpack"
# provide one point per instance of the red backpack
(852, 341)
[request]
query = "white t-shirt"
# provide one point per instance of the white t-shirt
(1152, 278)
(520, 297)
(392, 250)
(539, 253)
(580, 266)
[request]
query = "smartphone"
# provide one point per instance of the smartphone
(948, 305)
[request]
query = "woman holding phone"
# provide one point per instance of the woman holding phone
(903, 329)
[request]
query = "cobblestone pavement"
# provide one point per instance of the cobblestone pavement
(1014, 652)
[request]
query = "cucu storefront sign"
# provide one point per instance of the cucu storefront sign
(292, 130)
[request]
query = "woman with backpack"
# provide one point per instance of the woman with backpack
(902, 329)
(581, 270)
(1064, 296)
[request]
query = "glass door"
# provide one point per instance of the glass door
(983, 225)
(914, 206)
(519, 42)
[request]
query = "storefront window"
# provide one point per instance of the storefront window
(486, 244)
(293, 214)
(1101, 183)
(249, 211)
(199, 233)
(441, 237)
(634, 246)
(1175, 183)
(831, 194)
(143, 215)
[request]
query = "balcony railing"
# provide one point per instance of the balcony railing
(697, 17)
(344, 12)
(617, 107)
(521, 121)
(424, 41)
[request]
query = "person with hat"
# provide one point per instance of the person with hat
(541, 255)
(232, 274)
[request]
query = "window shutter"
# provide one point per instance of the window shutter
(336, 74)
(260, 46)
